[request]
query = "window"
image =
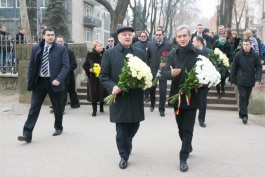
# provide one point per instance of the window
(6, 3)
(98, 15)
(43, 3)
(88, 10)
(88, 35)
(98, 36)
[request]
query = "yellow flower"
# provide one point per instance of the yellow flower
(96, 69)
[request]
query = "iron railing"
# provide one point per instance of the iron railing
(8, 59)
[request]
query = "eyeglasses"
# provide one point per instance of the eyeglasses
(110, 40)
(158, 34)
(142, 36)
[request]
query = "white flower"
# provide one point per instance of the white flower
(217, 51)
(206, 72)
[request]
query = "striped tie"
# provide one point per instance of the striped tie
(45, 61)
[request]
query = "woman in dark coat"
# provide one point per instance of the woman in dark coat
(95, 91)
(225, 47)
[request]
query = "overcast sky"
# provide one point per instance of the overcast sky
(207, 7)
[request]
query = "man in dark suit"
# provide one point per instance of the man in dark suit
(128, 109)
(198, 42)
(184, 57)
(48, 67)
(154, 53)
(111, 42)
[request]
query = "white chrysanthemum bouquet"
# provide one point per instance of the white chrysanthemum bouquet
(219, 59)
(202, 73)
(135, 74)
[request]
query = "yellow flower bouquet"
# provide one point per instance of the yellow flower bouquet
(96, 69)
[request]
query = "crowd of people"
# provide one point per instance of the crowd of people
(128, 110)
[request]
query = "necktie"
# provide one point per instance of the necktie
(45, 61)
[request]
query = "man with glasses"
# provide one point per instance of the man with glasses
(154, 52)
(110, 43)
(143, 45)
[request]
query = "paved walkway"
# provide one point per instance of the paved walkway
(225, 148)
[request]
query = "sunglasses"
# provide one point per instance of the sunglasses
(110, 40)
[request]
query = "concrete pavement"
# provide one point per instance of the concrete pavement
(87, 148)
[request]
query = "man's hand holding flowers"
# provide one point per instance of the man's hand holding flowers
(163, 59)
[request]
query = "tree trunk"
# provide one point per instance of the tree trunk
(24, 18)
(225, 13)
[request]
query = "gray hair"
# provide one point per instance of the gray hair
(182, 27)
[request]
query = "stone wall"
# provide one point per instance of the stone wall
(23, 54)
(257, 98)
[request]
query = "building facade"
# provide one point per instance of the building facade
(87, 20)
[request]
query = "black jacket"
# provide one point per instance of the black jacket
(130, 107)
(246, 69)
(183, 58)
(154, 53)
(58, 65)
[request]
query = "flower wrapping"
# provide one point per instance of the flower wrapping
(163, 59)
(96, 69)
(202, 73)
(135, 74)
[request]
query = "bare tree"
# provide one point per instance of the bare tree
(239, 12)
(24, 18)
(117, 15)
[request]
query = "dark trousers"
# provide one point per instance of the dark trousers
(125, 133)
(202, 111)
(146, 93)
(38, 95)
(185, 121)
(72, 91)
(221, 86)
(65, 93)
(162, 94)
(244, 94)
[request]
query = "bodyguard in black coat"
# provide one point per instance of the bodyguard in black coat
(180, 59)
(246, 71)
(46, 74)
(128, 109)
(154, 52)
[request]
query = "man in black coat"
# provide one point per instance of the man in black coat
(199, 43)
(128, 109)
(184, 57)
(143, 44)
(70, 78)
(246, 72)
(48, 67)
(154, 52)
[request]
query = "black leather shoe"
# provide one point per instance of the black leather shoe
(162, 114)
(183, 166)
(245, 120)
(23, 138)
(203, 125)
(75, 106)
(94, 114)
(123, 163)
(152, 108)
(57, 132)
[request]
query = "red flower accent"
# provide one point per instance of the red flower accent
(165, 53)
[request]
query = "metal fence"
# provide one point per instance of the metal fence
(8, 59)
